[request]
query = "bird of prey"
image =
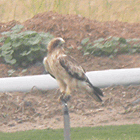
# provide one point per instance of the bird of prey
(69, 74)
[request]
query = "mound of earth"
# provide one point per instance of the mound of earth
(41, 109)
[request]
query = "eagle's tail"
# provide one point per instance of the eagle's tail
(96, 92)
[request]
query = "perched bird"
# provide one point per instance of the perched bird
(68, 73)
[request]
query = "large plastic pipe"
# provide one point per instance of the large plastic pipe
(115, 77)
(104, 78)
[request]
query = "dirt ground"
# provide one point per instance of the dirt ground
(41, 109)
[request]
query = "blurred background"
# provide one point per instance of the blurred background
(101, 10)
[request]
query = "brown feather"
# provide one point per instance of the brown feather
(72, 67)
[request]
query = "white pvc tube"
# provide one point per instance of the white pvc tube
(101, 79)
(115, 77)
(26, 83)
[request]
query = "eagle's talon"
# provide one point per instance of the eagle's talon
(64, 98)
(67, 98)
(61, 98)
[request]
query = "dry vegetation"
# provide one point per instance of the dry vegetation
(102, 10)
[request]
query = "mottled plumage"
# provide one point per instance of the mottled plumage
(68, 73)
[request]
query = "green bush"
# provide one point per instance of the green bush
(110, 46)
(23, 48)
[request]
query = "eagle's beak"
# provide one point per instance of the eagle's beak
(62, 40)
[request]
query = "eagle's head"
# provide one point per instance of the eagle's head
(55, 43)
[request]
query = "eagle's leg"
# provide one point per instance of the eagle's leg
(61, 96)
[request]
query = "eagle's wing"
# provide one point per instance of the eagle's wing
(47, 67)
(76, 71)
(72, 67)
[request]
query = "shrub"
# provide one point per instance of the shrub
(110, 46)
(23, 48)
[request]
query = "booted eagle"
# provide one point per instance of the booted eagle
(68, 73)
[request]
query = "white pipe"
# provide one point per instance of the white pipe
(101, 79)
(26, 83)
(114, 77)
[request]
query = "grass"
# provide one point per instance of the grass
(123, 132)
(102, 10)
